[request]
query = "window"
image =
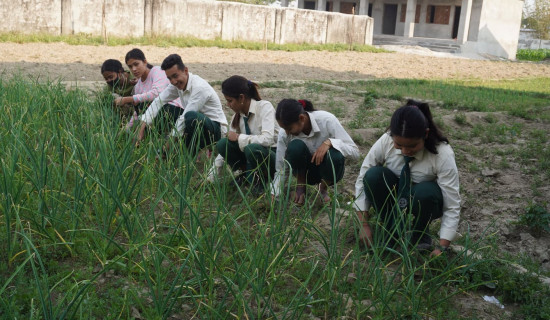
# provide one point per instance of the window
(438, 14)
(309, 5)
(404, 13)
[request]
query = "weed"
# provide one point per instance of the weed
(460, 118)
(537, 218)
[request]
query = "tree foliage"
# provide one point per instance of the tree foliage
(537, 17)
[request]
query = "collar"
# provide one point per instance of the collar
(417, 156)
(189, 86)
(314, 126)
(252, 109)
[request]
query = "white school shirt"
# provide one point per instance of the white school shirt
(426, 166)
(198, 96)
(324, 125)
(264, 129)
(153, 85)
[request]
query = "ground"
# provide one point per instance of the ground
(494, 192)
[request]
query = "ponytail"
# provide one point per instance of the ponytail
(412, 120)
(289, 110)
(234, 86)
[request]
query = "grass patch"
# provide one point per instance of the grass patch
(533, 54)
(525, 98)
(180, 42)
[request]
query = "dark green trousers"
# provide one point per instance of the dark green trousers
(380, 184)
(200, 131)
(331, 169)
(254, 158)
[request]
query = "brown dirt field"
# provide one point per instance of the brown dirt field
(70, 63)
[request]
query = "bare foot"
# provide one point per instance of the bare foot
(323, 191)
(300, 195)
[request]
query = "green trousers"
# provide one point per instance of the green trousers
(331, 169)
(200, 131)
(254, 158)
(380, 184)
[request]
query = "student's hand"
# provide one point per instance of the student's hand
(365, 232)
(232, 136)
(320, 153)
(437, 251)
(141, 133)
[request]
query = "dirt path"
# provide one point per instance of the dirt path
(59, 60)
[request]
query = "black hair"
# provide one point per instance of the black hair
(412, 120)
(136, 54)
(289, 110)
(172, 60)
(234, 86)
(112, 65)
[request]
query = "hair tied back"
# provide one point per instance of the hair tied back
(302, 102)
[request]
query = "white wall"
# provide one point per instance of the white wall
(196, 18)
(498, 31)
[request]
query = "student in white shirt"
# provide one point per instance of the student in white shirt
(429, 188)
(203, 121)
(314, 144)
(252, 138)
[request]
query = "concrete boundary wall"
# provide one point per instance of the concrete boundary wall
(195, 18)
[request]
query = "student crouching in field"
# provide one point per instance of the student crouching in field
(120, 83)
(252, 137)
(314, 144)
(203, 121)
(411, 169)
(151, 81)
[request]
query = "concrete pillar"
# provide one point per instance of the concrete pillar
(336, 6)
(284, 3)
(301, 4)
(363, 7)
(148, 18)
(321, 5)
(409, 19)
(464, 24)
(66, 17)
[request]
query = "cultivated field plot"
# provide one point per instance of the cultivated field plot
(93, 227)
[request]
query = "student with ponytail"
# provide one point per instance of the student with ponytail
(411, 169)
(314, 144)
(252, 136)
(151, 81)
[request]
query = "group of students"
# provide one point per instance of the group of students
(408, 176)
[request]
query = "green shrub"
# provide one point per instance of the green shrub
(533, 54)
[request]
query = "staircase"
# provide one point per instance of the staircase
(439, 45)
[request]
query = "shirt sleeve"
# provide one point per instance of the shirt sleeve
(375, 157)
(197, 100)
(265, 138)
(342, 141)
(280, 171)
(168, 94)
(447, 179)
(159, 83)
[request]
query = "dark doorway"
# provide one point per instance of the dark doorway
(369, 13)
(389, 19)
(309, 5)
(456, 22)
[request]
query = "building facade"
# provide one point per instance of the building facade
(482, 26)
